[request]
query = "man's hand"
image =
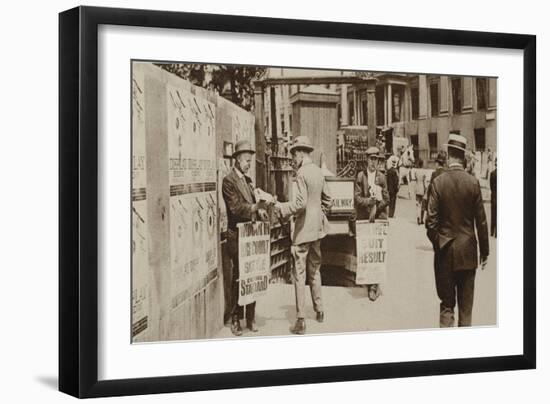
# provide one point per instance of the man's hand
(264, 217)
(483, 262)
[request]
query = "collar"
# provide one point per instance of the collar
(239, 174)
(456, 166)
(305, 161)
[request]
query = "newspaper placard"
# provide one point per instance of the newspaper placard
(342, 196)
(372, 248)
(254, 260)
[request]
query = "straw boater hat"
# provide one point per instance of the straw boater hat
(301, 143)
(457, 141)
(243, 146)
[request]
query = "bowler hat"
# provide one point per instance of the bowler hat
(457, 141)
(301, 143)
(243, 146)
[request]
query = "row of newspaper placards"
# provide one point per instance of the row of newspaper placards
(254, 256)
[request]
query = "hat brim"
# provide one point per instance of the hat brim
(243, 151)
(455, 147)
(301, 147)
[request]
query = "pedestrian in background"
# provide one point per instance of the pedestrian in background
(309, 208)
(392, 179)
(455, 214)
(418, 179)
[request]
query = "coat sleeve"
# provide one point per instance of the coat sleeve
(360, 200)
(385, 195)
(432, 218)
(299, 204)
(238, 206)
(481, 224)
(326, 198)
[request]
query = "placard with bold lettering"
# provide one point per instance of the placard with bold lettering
(254, 260)
(372, 251)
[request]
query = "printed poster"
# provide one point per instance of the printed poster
(140, 256)
(254, 260)
(193, 192)
(372, 251)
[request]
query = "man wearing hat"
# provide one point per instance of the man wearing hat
(392, 179)
(371, 190)
(455, 213)
(238, 194)
(309, 208)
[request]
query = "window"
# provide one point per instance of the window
(432, 140)
(481, 92)
(479, 138)
(456, 89)
(282, 124)
(414, 142)
(364, 111)
(415, 102)
(351, 113)
(379, 94)
(397, 97)
(290, 122)
(434, 98)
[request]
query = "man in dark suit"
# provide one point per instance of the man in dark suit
(392, 179)
(455, 212)
(238, 194)
(493, 185)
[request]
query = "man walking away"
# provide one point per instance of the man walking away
(455, 213)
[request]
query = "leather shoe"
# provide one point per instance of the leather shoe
(236, 328)
(251, 325)
(299, 327)
(320, 316)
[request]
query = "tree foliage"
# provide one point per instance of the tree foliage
(230, 81)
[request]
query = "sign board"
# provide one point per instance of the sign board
(254, 260)
(341, 191)
(372, 249)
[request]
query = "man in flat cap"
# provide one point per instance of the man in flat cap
(455, 213)
(371, 190)
(238, 194)
(309, 208)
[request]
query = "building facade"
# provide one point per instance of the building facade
(419, 109)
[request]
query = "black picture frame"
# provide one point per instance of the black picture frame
(78, 200)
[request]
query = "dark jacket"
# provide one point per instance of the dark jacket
(493, 185)
(455, 207)
(362, 196)
(392, 179)
(239, 200)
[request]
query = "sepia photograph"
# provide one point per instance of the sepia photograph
(284, 201)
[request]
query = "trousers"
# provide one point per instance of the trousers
(452, 287)
(236, 310)
(307, 263)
